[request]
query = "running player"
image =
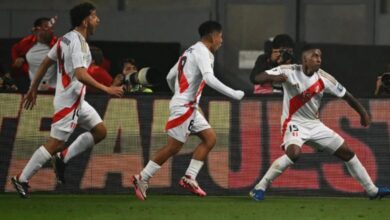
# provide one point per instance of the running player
(73, 58)
(304, 86)
(187, 79)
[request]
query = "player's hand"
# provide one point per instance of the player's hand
(19, 62)
(365, 120)
(238, 94)
(116, 91)
(30, 99)
(279, 78)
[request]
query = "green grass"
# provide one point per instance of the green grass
(109, 207)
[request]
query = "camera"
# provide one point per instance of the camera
(287, 55)
(147, 76)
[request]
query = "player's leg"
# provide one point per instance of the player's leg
(188, 181)
(359, 172)
(335, 144)
(141, 180)
(293, 140)
(37, 160)
(276, 169)
(90, 120)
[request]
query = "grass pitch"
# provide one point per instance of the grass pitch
(110, 207)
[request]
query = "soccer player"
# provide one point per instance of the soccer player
(187, 79)
(73, 58)
(304, 86)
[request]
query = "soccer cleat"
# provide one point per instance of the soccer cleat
(382, 192)
(191, 185)
(20, 187)
(140, 187)
(257, 194)
(59, 168)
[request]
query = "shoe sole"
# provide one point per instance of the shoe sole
(138, 193)
(14, 182)
(190, 189)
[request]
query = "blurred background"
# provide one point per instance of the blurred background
(354, 34)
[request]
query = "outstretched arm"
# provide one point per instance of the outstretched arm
(267, 78)
(83, 76)
(365, 118)
(222, 88)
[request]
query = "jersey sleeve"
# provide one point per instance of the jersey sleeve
(203, 61)
(332, 86)
(53, 52)
(76, 54)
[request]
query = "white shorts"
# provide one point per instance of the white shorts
(85, 116)
(184, 121)
(314, 134)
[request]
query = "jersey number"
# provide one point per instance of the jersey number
(182, 63)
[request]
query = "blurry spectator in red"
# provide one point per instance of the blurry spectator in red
(37, 54)
(19, 50)
(97, 71)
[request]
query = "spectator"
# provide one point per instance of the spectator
(125, 78)
(36, 54)
(97, 72)
(383, 84)
(280, 52)
(20, 69)
(6, 81)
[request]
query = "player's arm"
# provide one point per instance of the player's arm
(214, 83)
(207, 72)
(171, 77)
(264, 77)
(30, 98)
(83, 76)
(365, 118)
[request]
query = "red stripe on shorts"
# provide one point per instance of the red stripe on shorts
(179, 120)
(65, 111)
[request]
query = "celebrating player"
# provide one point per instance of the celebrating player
(187, 79)
(73, 58)
(304, 86)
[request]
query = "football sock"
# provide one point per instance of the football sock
(357, 171)
(277, 168)
(150, 169)
(193, 168)
(82, 143)
(37, 160)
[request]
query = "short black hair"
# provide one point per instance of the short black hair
(79, 12)
(308, 47)
(39, 21)
(282, 40)
(209, 27)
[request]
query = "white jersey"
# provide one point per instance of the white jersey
(303, 94)
(71, 51)
(34, 59)
(195, 62)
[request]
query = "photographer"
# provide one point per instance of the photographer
(383, 85)
(281, 52)
(129, 78)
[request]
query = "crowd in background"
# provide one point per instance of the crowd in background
(28, 53)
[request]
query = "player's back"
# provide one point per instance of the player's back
(189, 81)
(71, 53)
